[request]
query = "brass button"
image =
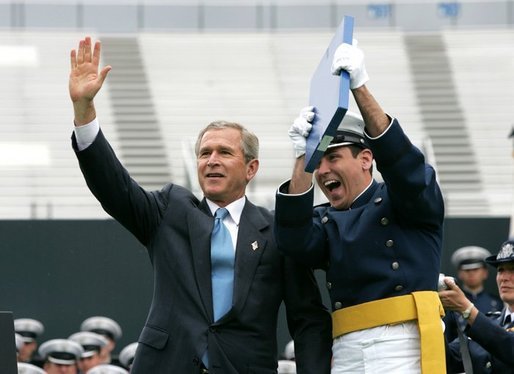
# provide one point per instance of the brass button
(389, 243)
(378, 200)
(395, 265)
(324, 219)
(338, 305)
(384, 221)
(329, 285)
(398, 287)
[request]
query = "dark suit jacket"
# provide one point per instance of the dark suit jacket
(175, 227)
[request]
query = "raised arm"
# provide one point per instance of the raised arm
(85, 80)
(350, 58)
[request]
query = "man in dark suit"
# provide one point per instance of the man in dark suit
(181, 334)
(491, 344)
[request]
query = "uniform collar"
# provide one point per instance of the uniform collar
(365, 195)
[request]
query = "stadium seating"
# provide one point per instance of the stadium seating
(258, 79)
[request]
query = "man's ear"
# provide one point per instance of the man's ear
(366, 158)
(251, 169)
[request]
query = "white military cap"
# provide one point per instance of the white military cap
(91, 342)
(286, 367)
(289, 350)
(127, 354)
(107, 369)
(350, 132)
(103, 326)
(471, 257)
(24, 368)
(61, 351)
(28, 328)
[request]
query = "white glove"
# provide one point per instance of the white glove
(350, 58)
(300, 130)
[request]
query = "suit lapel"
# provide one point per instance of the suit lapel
(200, 224)
(250, 247)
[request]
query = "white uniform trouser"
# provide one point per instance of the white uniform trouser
(391, 349)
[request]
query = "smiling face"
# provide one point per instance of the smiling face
(343, 176)
(505, 282)
(223, 172)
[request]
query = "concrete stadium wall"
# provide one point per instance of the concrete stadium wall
(61, 272)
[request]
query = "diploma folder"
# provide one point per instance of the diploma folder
(329, 94)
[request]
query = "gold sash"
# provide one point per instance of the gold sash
(423, 306)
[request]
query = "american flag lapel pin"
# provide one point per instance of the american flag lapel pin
(255, 245)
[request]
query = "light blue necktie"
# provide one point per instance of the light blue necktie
(222, 265)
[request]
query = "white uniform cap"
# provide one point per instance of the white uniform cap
(289, 351)
(102, 325)
(127, 354)
(286, 367)
(107, 369)
(28, 328)
(350, 132)
(24, 368)
(471, 257)
(91, 342)
(61, 351)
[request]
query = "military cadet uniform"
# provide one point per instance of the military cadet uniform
(106, 327)
(29, 329)
(60, 352)
(92, 343)
(469, 258)
(382, 250)
(490, 338)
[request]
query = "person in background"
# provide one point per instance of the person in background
(60, 356)
(26, 368)
(127, 355)
(380, 243)
(30, 329)
(194, 245)
(92, 343)
(107, 369)
(108, 328)
(472, 273)
(491, 338)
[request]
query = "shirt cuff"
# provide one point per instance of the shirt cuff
(86, 134)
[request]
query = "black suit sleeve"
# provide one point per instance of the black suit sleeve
(308, 320)
(121, 196)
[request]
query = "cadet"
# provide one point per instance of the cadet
(30, 329)
(492, 338)
(380, 243)
(92, 343)
(106, 327)
(107, 369)
(25, 368)
(127, 355)
(60, 356)
(472, 272)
